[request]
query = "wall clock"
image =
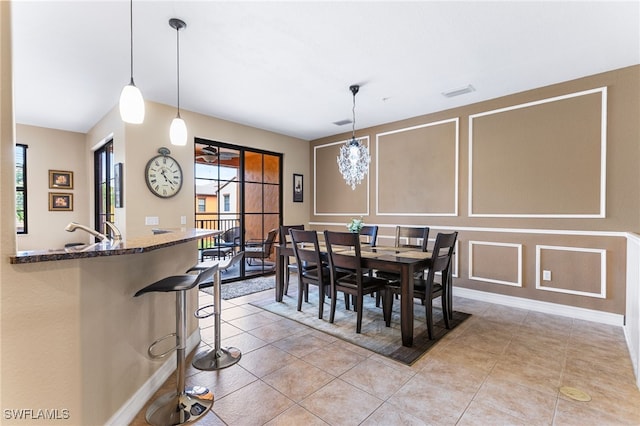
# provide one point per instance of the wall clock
(163, 175)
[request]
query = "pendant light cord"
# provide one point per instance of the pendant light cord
(353, 110)
(131, 36)
(178, 65)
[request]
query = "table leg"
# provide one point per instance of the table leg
(279, 275)
(406, 305)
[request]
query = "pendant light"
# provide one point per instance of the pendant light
(354, 157)
(178, 129)
(131, 101)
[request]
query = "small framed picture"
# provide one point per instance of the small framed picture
(298, 188)
(60, 179)
(60, 202)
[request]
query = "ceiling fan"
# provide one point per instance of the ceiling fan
(212, 155)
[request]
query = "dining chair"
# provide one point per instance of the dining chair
(283, 239)
(345, 257)
(307, 251)
(370, 234)
(410, 237)
(260, 249)
(425, 288)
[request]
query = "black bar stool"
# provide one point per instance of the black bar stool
(184, 405)
(219, 357)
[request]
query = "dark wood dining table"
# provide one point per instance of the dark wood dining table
(403, 261)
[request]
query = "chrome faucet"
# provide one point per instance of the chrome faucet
(73, 226)
(115, 232)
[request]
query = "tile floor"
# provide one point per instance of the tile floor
(503, 366)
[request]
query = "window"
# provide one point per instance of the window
(227, 202)
(202, 205)
(21, 189)
(104, 186)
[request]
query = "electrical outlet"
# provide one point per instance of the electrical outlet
(546, 275)
(183, 220)
(151, 220)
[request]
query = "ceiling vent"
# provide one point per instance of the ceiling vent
(342, 122)
(457, 92)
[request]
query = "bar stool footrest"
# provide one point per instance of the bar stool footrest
(198, 315)
(164, 354)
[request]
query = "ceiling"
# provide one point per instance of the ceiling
(287, 66)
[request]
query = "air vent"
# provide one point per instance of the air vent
(458, 92)
(342, 122)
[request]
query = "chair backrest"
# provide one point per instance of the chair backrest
(231, 235)
(370, 231)
(405, 235)
(283, 239)
(305, 247)
(268, 243)
(442, 252)
(338, 242)
(206, 275)
(228, 263)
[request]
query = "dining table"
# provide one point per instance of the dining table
(400, 260)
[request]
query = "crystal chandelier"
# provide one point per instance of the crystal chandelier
(354, 157)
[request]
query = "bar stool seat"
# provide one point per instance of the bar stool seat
(184, 405)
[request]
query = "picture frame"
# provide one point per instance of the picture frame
(117, 183)
(60, 179)
(60, 202)
(298, 188)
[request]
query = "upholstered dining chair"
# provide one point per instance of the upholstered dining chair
(260, 249)
(316, 272)
(426, 288)
(347, 274)
(283, 239)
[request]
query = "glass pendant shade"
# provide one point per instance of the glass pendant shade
(354, 158)
(353, 162)
(131, 104)
(178, 131)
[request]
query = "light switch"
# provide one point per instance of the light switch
(183, 220)
(151, 220)
(546, 275)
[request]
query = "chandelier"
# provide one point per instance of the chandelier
(354, 158)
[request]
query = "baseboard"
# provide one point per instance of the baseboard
(633, 354)
(132, 407)
(544, 307)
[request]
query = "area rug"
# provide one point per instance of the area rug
(242, 288)
(375, 336)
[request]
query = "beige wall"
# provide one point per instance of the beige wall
(568, 158)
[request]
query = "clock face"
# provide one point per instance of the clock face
(163, 176)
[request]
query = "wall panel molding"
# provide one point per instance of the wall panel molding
(517, 247)
(433, 150)
(355, 202)
(545, 158)
(602, 254)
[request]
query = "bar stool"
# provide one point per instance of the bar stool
(184, 405)
(219, 357)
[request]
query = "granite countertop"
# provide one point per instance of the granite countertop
(164, 238)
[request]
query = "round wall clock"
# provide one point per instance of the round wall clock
(163, 175)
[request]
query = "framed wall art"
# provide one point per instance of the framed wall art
(60, 202)
(60, 179)
(298, 188)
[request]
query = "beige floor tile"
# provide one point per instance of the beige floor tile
(253, 321)
(339, 403)
(301, 344)
(450, 375)
(276, 330)
(296, 416)
(265, 360)
(334, 358)
(478, 414)
(224, 381)
(536, 408)
(483, 361)
(572, 413)
(430, 402)
(528, 374)
(388, 415)
(377, 378)
(236, 312)
(298, 379)
(254, 404)
(245, 342)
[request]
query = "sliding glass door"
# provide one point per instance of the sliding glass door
(238, 190)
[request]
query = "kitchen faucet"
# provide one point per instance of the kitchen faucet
(72, 226)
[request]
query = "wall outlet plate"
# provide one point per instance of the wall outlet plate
(546, 275)
(151, 220)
